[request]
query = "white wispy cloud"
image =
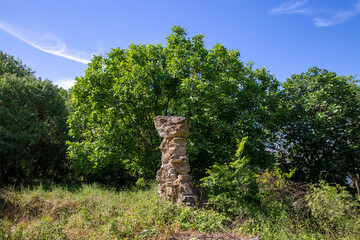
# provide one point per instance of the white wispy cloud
(291, 8)
(65, 83)
(334, 16)
(47, 43)
(358, 7)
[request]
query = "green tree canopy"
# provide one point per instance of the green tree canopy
(321, 134)
(114, 137)
(33, 126)
(9, 65)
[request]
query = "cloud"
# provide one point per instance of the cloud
(337, 17)
(47, 43)
(65, 83)
(290, 8)
(334, 16)
(358, 7)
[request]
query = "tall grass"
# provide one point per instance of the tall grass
(93, 212)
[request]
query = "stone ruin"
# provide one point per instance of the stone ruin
(173, 176)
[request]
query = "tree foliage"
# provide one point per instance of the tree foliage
(33, 126)
(321, 132)
(115, 102)
(9, 65)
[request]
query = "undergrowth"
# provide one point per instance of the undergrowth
(93, 212)
(271, 206)
(268, 205)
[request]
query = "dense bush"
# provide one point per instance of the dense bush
(272, 206)
(334, 209)
(33, 126)
(232, 188)
(320, 212)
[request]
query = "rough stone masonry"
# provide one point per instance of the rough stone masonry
(173, 176)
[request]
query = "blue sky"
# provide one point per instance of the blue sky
(58, 38)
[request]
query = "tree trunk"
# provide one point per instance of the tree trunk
(357, 186)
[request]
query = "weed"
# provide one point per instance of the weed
(91, 211)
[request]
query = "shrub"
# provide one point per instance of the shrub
(335, 210)
(282, 200)
(232, 187)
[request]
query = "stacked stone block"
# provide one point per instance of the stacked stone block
(173, 176)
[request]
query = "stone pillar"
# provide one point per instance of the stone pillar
(173, 176)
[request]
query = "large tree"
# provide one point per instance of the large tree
(321, 134)
(33, 126)
(115, 102)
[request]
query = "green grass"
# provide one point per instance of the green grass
(93, 212)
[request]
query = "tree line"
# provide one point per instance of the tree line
(102, 130)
